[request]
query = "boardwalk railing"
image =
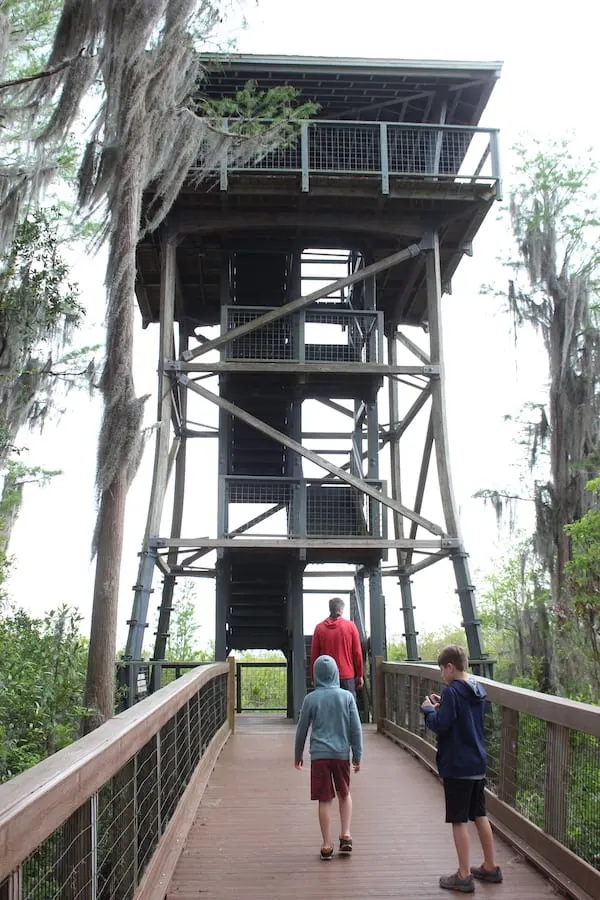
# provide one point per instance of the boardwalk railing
(543, 767)
(384, 149)
(104, 818)
(261, 687)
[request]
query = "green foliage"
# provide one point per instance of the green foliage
(32, 26)
(35, 292)
(42, 672)
(583, 575)
(430, 644)
(252, 111)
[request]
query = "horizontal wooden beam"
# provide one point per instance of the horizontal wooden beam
(328, 543)
(320, 461)
(189, 222)
(297, 368)
(294, 306)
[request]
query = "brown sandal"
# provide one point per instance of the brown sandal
(345, 844)
(326, 852)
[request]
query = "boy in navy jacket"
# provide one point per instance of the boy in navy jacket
(457, 719)
(332, 716)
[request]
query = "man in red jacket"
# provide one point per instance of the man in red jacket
(338, 637)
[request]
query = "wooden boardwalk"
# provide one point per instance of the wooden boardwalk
(256, 834)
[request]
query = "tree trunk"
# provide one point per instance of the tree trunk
(99, 691)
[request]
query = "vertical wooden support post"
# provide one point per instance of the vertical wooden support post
(556, 788)
(222, 593)
(410, 632)
(465, 590)
(160, 475)
(164, 617)
(238, 687)
(431, 246)
(380, 700)
(12, 887)
(304, 156)
(223, 182)
(509, 749)
(496, 170)
(298, 647)
(385, 167)
(231, 694)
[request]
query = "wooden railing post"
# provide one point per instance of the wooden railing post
(379, 693)
(231, 694)
(509, 743)
(12, 888)
(557, 780)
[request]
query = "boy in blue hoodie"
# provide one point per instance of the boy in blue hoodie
(457, 719)
(333, 717)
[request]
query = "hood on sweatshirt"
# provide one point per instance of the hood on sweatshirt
(470, 689)
(332, 621)
(326, 672)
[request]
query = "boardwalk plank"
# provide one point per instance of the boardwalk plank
(256, 834)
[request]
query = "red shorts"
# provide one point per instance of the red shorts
(328, 776)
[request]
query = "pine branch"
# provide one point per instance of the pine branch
(46, 73)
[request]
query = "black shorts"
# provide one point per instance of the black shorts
(465, 799)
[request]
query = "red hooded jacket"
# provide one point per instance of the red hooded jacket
(338, 638)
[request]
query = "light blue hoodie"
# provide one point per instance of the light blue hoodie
(332, 715)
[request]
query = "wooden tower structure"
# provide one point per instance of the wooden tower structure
(294, 280)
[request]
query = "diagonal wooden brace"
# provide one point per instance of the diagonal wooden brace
(302, 302)
(311, 455)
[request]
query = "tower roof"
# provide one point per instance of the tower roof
(393, 90)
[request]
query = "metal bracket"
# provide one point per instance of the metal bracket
(432, 371)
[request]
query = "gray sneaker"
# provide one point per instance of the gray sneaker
(494, 876)
(456, 883)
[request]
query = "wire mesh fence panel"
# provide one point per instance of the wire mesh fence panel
(381, 148)
(344, 148)
(431, 152)
(261, 687)
(105, 845)
(340, 337)
(531, 768)
(262, 507)
(270, 342)
(583, 797)
(286, 158)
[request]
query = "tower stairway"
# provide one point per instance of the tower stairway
(256, 615)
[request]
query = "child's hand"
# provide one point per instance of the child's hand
(298, 764)
(435, 699)
(428, 703)
(356, 766)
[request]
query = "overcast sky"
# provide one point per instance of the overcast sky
(547, 89)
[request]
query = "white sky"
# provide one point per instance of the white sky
(548, 89)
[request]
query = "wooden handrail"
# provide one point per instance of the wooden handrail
(35, 803)
(570, 713)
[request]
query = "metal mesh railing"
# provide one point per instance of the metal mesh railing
(269, 507)
(333, 336)
(352, 147)
(543, 769)
(261, 687)
(273, 341)
(329, 336)
(103, 848)
(384, 149)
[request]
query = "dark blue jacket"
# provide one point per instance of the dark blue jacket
(458, 724)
